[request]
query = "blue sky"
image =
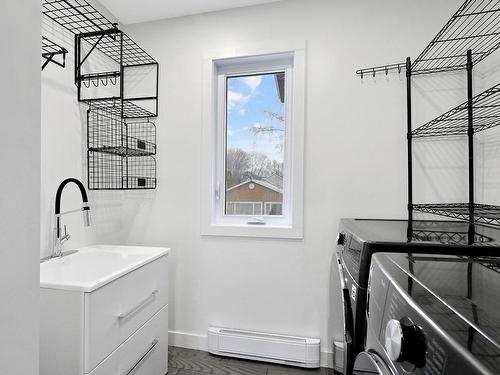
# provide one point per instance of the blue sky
(248, 98)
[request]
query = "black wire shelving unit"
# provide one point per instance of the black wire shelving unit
(447, 237)
(53, 52)
(108, 65)
(471, 34)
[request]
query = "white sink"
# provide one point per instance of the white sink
(94, 266)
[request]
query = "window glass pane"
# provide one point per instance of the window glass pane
(255, 136)
(273, 208)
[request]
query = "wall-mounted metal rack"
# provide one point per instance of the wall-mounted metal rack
(381, 69)
(471, 34)
(54, 53)
(120, 153)
(121, 62)
(116, 77)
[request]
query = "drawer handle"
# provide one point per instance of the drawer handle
(142, 358)
(139, 306)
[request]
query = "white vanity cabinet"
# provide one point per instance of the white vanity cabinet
(104, 311)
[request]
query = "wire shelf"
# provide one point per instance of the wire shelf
(111, 46)
(114, 106)
(108, 133)
(486, 109)
(114, 172)
(120, 153)
(483, 214)
(77, 16)
(454, 238)
(475, 26)
(50, 50)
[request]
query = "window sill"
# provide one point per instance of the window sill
(253, 231)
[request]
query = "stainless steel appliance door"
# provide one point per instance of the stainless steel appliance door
(348, 322)
(368, 363)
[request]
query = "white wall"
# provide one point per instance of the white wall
(64, 154)
(355, 158)
(19, 186)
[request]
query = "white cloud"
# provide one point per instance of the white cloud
(230, 132)
(252, 82)
(242, 112)
(235, 97)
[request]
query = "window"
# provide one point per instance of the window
(273, 208)
(254, 122)
(255, 140)
(244, 208)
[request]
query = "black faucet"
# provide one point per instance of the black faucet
(59, 240)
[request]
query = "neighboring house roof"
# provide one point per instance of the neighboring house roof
(275, 180)
(258, 182)
(280, 85)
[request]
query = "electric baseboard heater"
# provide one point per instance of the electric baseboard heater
(267, 347)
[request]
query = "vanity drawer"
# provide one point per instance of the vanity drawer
(145, 353)
(115, 311)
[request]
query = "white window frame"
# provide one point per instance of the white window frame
(217, 66)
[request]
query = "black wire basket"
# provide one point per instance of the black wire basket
(120, 154)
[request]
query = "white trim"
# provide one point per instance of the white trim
(209, 226)
(200, 342)
(188, 340)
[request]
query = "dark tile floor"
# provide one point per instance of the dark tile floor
(194, 362)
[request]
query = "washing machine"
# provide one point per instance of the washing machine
(359, 239)
(432, 315)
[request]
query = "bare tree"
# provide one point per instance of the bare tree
(242, 166)
(237, 164)
(271, 129)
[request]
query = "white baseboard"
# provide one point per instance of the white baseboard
(200, 342)
(188, 340)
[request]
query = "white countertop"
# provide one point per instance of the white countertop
(94, 266)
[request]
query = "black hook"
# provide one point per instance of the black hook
(386, 70)
(374, 72)
(102, 82)
(113, 82)
(85, 84)
(95, 82)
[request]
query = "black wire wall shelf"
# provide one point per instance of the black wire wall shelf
(486, 109)
(109, 65)
(124, 108)
(53, 52)
(120, 153)
(475, 26)
(114, 172)
(482, 213)
(100, 44)
(122, 63)
(77, 16)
